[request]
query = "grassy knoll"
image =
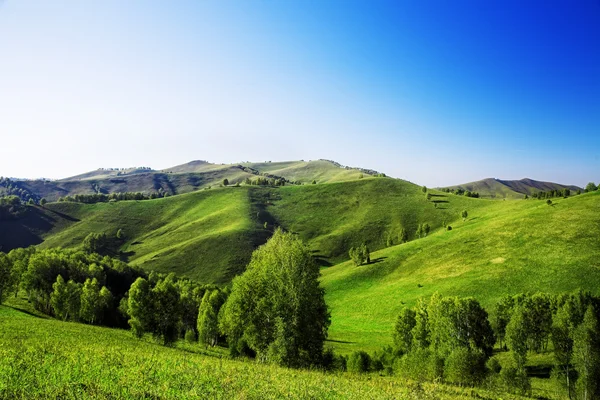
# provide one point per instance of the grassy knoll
(206, 235)
(491, 188)
(332, 218)
(45, 358)
(506, 247)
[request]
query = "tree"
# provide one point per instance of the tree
(586, 355)
(426, 229)
(167, 310)
(516, 336)
(43, 202)
(95, 243)
(403, 337)
(549, 202)
(590, 187)
(208, 322)
(403, 236)
(562, 340)
(276, 307)
(58, 298)
(360, 255)
(225, 182)
(6, 277)
(90, 301)
(464, 215)
(140, 307)
(120, 234)
(314, 182)
(424, 189)
(359, 362)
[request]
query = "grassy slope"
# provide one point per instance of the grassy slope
(206, 235)
(45, 358)
(334, 217)
(306, 171)
(490, 188)
(505, 247)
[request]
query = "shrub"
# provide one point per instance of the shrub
(358, 362)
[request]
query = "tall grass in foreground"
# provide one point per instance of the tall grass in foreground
(44, 358)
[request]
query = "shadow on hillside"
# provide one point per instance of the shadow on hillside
(440, 201)
(339, 341)
(376, 260)
(63, 215)
(438, 195)
(25, 312)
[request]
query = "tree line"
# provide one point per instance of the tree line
(461, 192)
(112, 197)
(453, 339)
(11, 207)
(275, 311)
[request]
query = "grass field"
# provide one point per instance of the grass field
(506, 247)
(45, 358)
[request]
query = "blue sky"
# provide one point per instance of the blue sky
(435, 92)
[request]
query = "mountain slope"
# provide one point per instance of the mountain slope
(504, 248)
(492, 188)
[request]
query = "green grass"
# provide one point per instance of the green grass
(45, 358)
(306, 171)
(332, 218)
(505, 247)
(206, 235)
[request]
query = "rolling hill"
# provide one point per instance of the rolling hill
(186, 178)
(492, 188)
(503, 248)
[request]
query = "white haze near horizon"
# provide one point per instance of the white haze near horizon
(85, 85)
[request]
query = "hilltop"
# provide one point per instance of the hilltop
(493, 188)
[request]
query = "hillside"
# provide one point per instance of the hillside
(210, 234)
(492, 188)
(504, 248)
(186, 178)
(207, 235)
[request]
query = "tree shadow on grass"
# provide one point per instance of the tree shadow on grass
(26, 312)
(376, 260)
(339, 341)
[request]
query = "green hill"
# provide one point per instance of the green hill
(207, 235)
(502, 248)
(492, 188)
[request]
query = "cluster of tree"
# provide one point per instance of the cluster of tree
(390, 238)
(446, 338)
(360, 254)
(423, 230)
(549, 194)
(261, 181)
(55, 279)
(461, 192)
(527, 323)
(171, 308)
(12, 188)
(11, 207)
(104, 198)
(591, 187)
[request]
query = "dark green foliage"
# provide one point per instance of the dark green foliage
(464, 214)
(403, 236)
(167, 310)
(549, 202)
(590, 187)
(403, 336)
(225, 182)
(95, 243)
(358, 362)
(515, 380)
(43, 202)
(6, 276)
(11, 208)
(424, 189)
(586, 356)
(66, 299)
(449, 228)
(517, 335)
(208, 317)
(276, 307)
(465, 366)
(140, 307)
(360, 255)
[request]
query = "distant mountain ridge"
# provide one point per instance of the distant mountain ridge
(184, 178)
(493, 188)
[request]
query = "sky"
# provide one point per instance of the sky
(435, 92)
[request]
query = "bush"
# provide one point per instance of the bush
(190, 336)
(465, 366)
(515, 380)
(358, 362)
(449, 228)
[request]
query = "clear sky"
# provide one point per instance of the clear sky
(436, 92)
